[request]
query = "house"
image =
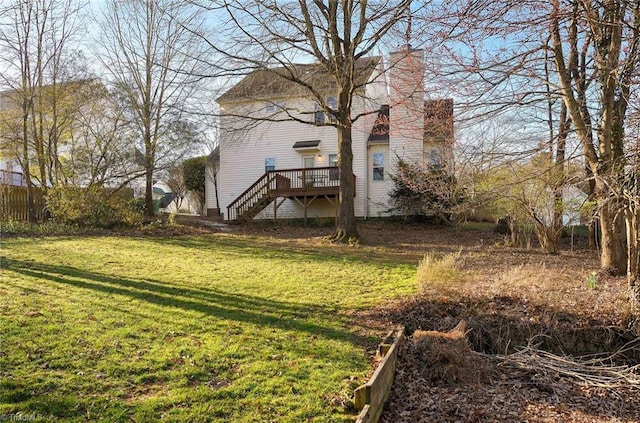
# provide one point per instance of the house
(10, 169)
(271, 164)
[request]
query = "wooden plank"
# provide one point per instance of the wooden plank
(384, 346)
(14, 204)
(365, 415)
(376, 391)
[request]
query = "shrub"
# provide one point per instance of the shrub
(93, 206)
(18, 228)
(424, 191)
(194, 174)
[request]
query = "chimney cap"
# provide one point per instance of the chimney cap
(406, 49)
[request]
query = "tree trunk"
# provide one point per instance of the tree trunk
(346, 225)
(613, 252)
(560, 175)
(31, 215)
(215, 188)
(632, 221)
(148, 193)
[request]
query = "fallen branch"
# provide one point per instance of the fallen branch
(596, 373)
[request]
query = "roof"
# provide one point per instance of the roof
(279, 82)
(12, 98)
(380, 131)
(306, 144)
(438, 121)
(438, 118)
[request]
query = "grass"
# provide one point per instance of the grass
(213, 327)
(434, 272)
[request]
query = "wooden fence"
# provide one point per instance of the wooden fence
(14, 204)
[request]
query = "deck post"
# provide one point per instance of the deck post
(305, 207)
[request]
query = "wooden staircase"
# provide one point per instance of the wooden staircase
(251, 202)
(299, 184)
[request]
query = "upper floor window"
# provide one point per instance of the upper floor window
(321, 117)
(318, 117)
(436, 158)
(332, 102)
(269, 164)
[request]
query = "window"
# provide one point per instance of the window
(378, 166)
(273, 106)
(333, 160)
(269, 164)
(332, 102)
(435, 158)
(334, 174)
(320, 117)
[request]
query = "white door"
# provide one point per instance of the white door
(308, 162)
(308, 177)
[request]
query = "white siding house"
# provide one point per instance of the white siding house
(266, 151)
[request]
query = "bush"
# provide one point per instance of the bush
(423, 191)
(20, 228)
(194, 174)
(93, 207)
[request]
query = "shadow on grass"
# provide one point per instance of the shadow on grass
(222, 305)
(323, 251)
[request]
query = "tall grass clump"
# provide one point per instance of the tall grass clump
(437, 271)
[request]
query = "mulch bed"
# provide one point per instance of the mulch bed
(452, 383)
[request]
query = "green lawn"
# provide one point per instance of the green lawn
(193, 328)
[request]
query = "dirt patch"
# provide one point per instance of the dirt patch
(439, 378)
(511, 299)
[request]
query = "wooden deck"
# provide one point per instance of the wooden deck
(301, 185)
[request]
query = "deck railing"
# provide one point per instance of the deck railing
(304, 180)
(12, 178)
(284, 183)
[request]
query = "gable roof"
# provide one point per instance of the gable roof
(438, 121)
(438, 118)
(380, 130)
(11, 99)
(266, 84)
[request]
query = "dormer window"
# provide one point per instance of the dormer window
(272, 106)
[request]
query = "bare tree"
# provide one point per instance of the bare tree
(608, 34)
(271, 35)
(100, 149)
(36, 40)
(152, 62)
(175, 182)
(511, 57)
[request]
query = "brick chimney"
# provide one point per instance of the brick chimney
(406, 93)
